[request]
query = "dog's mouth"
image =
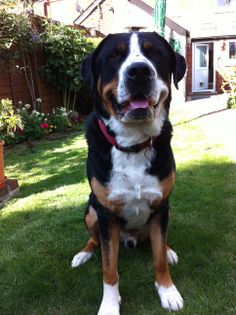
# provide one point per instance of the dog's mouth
(137, 108)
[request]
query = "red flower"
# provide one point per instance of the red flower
(19, 130)
(44, 125)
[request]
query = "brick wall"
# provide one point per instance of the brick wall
(189, 69)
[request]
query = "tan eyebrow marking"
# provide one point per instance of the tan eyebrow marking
(147, 45)
(121, 47)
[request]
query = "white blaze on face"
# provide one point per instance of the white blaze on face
(136, 55)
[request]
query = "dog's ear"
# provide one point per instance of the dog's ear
(180, 68)
(179, 64)
(86, 72)
(87, 69)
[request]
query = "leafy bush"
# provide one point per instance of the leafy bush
(229, 87)
(65, 47)
(59, 120)
(10, 122)
(33, 124)
(18, 36)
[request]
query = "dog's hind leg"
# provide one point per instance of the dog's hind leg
(91, 223)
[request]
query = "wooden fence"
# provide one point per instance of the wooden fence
(13, 84)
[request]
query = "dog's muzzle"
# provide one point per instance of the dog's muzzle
(139, 77)
(139, 103)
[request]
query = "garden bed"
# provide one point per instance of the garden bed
(27, 124)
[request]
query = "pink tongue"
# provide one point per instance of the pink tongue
(139, 104)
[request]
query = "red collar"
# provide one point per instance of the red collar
(133, 148)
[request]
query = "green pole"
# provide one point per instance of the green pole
(159, 16)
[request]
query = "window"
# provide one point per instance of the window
(201, 55)
(232, 50)
(223, 3)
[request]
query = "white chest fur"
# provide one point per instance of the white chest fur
(131, 184)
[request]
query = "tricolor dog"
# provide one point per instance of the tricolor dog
(130, 166)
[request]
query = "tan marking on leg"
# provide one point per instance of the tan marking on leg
(91, 246)
(159, 249)
(102, 193)
(166, 185)
(92, 227)
(91, 218)
(110, 253)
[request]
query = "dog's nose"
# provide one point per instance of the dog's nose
(139, 72)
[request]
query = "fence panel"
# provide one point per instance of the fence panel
(13, 85)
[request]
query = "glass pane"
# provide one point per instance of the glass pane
(223, 3)
(202, 56)
(232, 50)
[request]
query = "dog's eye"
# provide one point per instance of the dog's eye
(115, 55)
(153, 53)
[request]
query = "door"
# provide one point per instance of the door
(201, 67)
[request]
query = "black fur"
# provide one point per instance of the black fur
(99, 151)
(100, 71)
(104, 64)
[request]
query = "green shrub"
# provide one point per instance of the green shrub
(32, 121)
(18, 36)
(229, 87)
(59, 120)
(65, 48)
(10, 122)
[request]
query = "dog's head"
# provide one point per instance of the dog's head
(130, 75)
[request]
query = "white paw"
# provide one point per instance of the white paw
(109, 309)
(172, 257)
(80, 259)
(111, 300)
(170, 298)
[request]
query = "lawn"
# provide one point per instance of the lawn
(42, 229)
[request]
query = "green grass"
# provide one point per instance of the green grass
(43, 228)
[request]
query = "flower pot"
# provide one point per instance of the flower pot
(2, 175)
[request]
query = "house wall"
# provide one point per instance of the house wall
(102, 18)
(222, 64)
(118, 16)
(207, 21)
(64, 11)
(204, 18)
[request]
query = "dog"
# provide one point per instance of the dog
(130, 165)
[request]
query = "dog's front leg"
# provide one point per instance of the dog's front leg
(169, 295)
(110, 240)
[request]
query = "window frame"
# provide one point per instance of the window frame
(229, 60)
